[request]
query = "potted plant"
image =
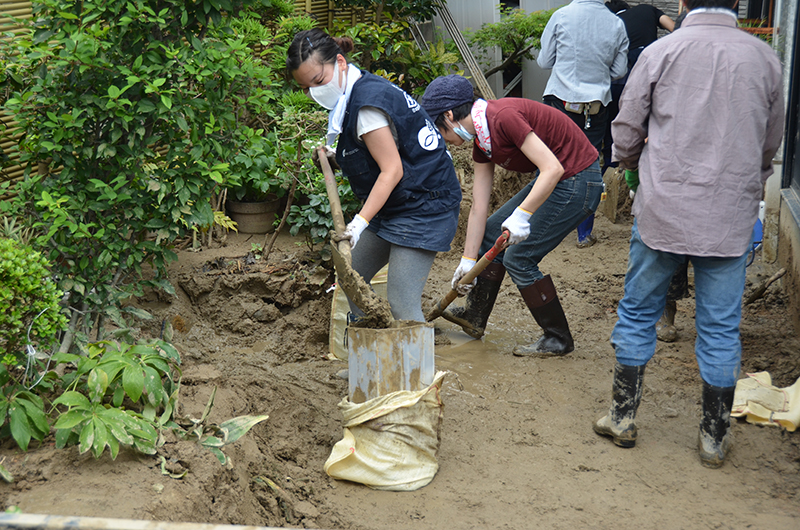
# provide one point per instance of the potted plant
(257, 182)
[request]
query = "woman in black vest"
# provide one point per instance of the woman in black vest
(396, 162)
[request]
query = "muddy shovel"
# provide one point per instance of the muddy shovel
(376, 310)
(486, 259)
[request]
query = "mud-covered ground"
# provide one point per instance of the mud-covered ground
(517, 448)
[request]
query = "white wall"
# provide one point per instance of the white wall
(534, 78)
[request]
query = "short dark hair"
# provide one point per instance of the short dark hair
(694, 4)
(459, 113)
(617, 5)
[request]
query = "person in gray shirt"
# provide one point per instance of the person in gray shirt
(586, 46)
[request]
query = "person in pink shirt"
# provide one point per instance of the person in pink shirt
(709, 101)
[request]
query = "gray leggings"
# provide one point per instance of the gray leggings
(407, 274)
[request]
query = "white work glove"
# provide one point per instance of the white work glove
(518, 226)
(464, 267)
(354, 229)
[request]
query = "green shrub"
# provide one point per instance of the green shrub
(29, 314)
(389, 50)
(118, 394)
(29, 300)
(313, 217)
(137, 110)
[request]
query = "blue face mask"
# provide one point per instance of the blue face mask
(462, 132)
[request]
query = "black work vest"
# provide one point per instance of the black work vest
(429, 183)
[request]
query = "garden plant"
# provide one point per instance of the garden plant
(137, 116)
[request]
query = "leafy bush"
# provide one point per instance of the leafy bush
(254, 170)
(399, 9)
(313, 217)
(142, 377)
(136, 109)
(21, 411)
(29, 302)
(517, 34)
(389, 50)
(29, 313)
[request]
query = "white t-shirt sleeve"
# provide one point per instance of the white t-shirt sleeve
(370, 119)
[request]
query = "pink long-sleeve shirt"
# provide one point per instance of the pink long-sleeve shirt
(708, 99)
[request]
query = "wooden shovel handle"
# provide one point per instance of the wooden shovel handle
(333, 191)
(486, 259)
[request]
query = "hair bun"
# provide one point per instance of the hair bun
(344, 43)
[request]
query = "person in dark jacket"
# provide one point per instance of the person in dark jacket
(642, 23)
(396, 162)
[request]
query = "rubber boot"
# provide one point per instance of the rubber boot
(543, 303)
(585, 236)
(665, 327)
(715, 438)
(625, 398)
(474, 314)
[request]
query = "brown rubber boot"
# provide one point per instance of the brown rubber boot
(625, 398)
(474, 314)
(543, 303)
(665, 327)
(715, 438)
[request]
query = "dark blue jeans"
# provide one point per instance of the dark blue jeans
(572, 201)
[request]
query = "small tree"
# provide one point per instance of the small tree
(517, 34)
(134, 109)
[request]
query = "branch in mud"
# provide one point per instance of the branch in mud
(289, 201)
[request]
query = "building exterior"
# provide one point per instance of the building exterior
(782, 224)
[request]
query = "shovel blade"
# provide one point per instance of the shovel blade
(376, 310)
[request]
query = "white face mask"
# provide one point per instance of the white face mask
(462, 132)
(328, 94)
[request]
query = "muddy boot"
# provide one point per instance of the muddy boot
(626, 395)
(715, 438)
(665, 327)
(542, 301)
(474, 314)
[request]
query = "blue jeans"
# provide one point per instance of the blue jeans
(719, 286)
(573, 200)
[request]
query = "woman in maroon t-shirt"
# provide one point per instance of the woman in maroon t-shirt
(525, 136)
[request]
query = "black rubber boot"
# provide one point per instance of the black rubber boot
(542, 301)
(474, 314)
(715, 438)
(625, 398)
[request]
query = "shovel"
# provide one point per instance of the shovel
(486, 259)
(377, 312)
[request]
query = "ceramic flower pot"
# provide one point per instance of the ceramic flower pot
(253, 217)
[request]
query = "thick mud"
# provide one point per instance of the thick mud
(517, 445)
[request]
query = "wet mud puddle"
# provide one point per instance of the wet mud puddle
(477, 364)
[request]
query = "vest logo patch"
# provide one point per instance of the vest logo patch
(411, 102)
(428, 137)
(345, 152)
